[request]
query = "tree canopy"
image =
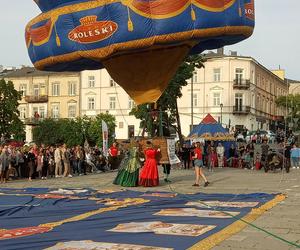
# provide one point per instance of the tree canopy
(292, 103)
(10, 123)
(74, 131)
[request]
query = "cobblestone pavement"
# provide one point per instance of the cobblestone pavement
(283, 220)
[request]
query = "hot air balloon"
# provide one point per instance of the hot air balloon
(141, 43)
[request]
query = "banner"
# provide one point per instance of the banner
(171, 152)
(105, 138)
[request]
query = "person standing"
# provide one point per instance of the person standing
(66, 156)
(220, 152)
(167, 171)
(232, 156)
(149, 173)
(58, 162)
(40, 163)
(31, 160)
(185, 155)
(295, 157)
(4, 164)
(264, 149)
(198, 161)
(113, 153)
(128, 174)
(213, 159)
(45, 160)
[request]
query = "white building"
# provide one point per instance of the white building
(100, 94)
(236, 90)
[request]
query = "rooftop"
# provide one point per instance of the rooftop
(31, 71)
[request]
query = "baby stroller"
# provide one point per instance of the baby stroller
(275, 161)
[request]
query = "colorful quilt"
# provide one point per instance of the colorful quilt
(106, 219)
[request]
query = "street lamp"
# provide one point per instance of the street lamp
(221, 106)
(192, 102)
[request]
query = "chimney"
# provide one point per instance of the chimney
(220, 51)
(233, 53)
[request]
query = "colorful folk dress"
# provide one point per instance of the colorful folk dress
(149, 173)
(128, 174)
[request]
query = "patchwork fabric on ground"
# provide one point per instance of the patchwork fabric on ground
(107, 219)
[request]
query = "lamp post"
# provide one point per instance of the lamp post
(221, 106)
(192, 102)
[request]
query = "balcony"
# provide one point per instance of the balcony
(32, 121)
(241, 110)
(241, 84)
(36, 98)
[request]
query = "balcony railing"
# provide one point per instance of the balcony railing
(241, 84)
(36, 98)
(241, 110)
(32, 121)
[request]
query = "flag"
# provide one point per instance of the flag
(173, 159)
(105, 138)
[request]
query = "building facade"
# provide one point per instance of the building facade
(294, 87)
(45, 95)
(101, 94)
(236, 90)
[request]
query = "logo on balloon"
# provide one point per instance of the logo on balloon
(249, 10)
(91, 30)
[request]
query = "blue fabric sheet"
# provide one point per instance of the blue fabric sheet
(25, 208)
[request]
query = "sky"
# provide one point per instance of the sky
(275, 42)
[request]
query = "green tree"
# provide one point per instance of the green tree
(167, 103)
(73, 131)
(292, 104)
(10, 123)
(95, 129)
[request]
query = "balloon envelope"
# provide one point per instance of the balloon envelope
(140, 42)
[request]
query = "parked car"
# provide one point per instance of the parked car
(270, 135)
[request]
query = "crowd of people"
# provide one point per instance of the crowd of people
(44, 162)
(136, 166)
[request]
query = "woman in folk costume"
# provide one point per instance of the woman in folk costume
(149, 173)
(128, 174)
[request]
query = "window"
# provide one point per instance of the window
(55, 111)
(42, 112)
(130, 131)
(238, 102)
(72, 88)
(195, 77)
(195, 100)
(36, 90)
(72, 110)
(112, 83)
(22, 114)
(253, 101)
(91, 81)
(239, 75)
(43, 89)
(23, 89)
(35, 111)
(121, 124)
(91, 103)
(112, 102)
(217, 75)
(131, 103)
(56, 89)
(216, 99)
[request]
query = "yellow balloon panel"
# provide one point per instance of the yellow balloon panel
(146, 74)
